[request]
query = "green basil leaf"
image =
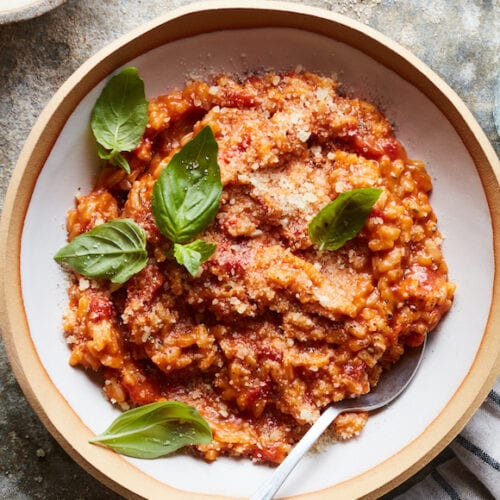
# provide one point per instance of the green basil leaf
(193, 254)
(120, 161)
(343, 218)
(186, 195)
(103, 153)
(155, 429)
(115, 250)
(115, 158)
(120, 116)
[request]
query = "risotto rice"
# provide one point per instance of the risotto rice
(271, 330)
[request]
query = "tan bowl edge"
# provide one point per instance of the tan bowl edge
(44, 397)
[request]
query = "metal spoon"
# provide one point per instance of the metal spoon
(391, 385)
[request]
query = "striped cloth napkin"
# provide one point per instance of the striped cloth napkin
(469, 468)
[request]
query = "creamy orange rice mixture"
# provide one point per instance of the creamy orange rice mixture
(271, 330)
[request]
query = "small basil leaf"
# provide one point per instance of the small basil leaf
(343, 218)
(120, 116)
(103, 153)
(119, 160)
(186, 195)
(193, 254)
(115, 250)
(114, 157)
(155, 429)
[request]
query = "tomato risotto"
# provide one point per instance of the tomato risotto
(271, 329)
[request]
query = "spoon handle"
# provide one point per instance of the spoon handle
(267, 490)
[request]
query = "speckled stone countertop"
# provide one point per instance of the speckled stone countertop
(458, 39)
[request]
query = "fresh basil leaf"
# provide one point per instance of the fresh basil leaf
(186, 195)
(120, 161)
(155, 429)
(343, 218)
(115, 250)
(114, 158)
(120, 116)
(193, 254)
(103, 153)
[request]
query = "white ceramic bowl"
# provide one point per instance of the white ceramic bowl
(461, 362)
(18, 10)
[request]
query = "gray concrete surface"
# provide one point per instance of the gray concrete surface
(458, 39)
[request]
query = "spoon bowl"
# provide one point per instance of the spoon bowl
(390, 386)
